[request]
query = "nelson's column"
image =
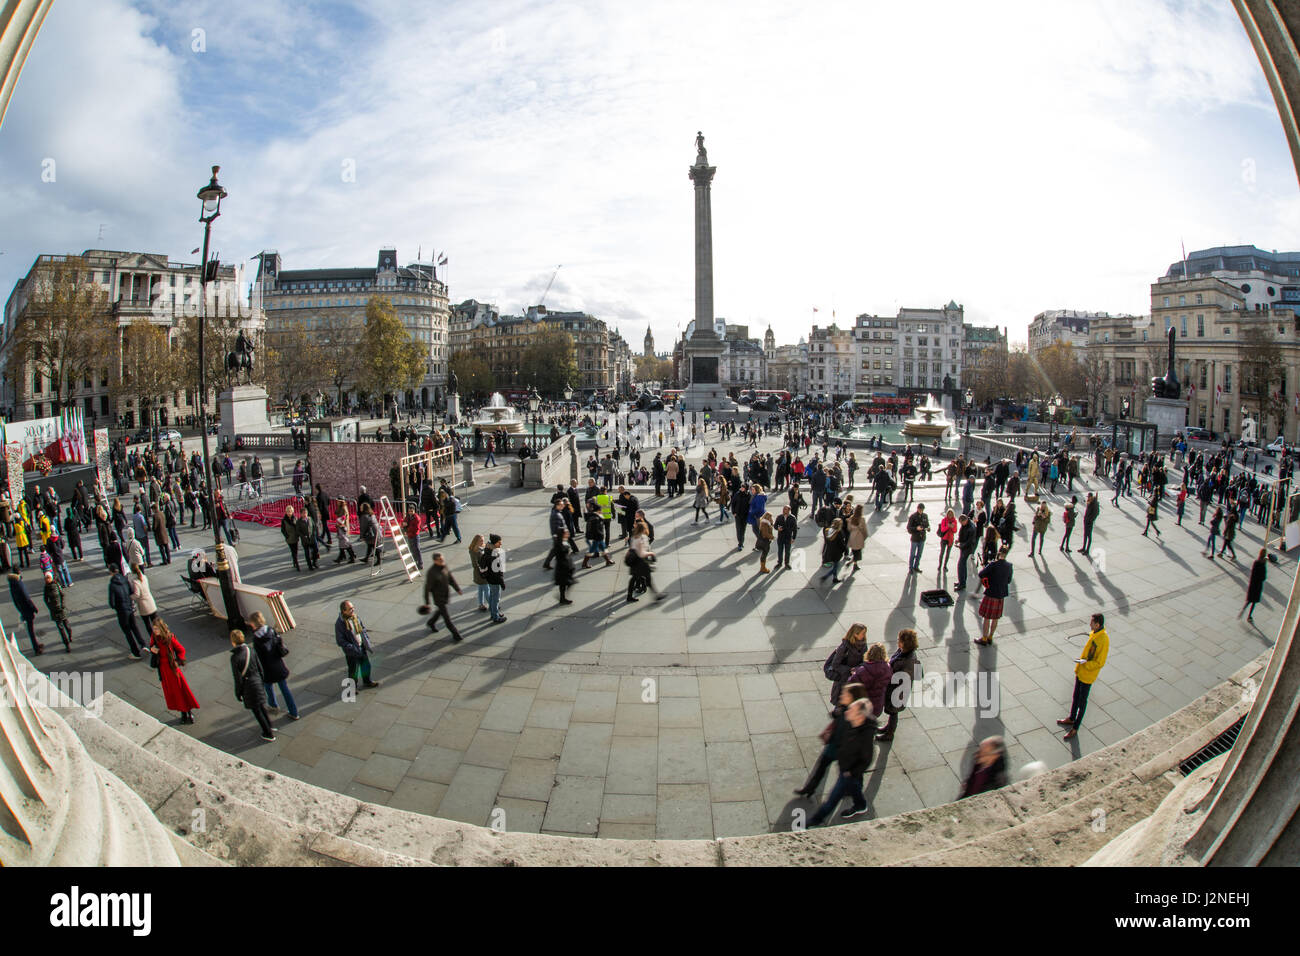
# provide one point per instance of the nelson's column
(703, 350)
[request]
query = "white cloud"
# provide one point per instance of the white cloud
(1014, 158)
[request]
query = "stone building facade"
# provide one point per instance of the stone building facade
(137, 285)
(317, 299)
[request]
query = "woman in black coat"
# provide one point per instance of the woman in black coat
(903, 667)
(271, 653)
(563, 566)
(26, 608)
(1255, 589)
(249, 686)
(835, 544)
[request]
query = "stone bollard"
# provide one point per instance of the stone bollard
(467, 472)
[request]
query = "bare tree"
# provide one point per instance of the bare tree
(151, 368)
(64, 332)
(291, 364)
(1261, 360)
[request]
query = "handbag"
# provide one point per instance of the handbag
(825, 735)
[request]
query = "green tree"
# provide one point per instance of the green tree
(391, 360)
(292, 365)
(549, 362)
(65, 331)
(473, 373)
(651, 369)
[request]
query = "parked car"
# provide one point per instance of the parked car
(169, 434)
(1276, 446)
(1199, 434)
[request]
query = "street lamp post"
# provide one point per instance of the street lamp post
(1052, 407)
(210, 196)
(970, 404)
(534, 402)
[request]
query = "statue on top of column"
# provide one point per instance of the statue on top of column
(701, 157)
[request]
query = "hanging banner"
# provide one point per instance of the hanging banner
(58, 440)
(103, 462)
(14, 464)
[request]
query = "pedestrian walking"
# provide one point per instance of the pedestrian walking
(834, 547)
(1255, 587)
(1086, 667)
(787, 528)
(250, 688)
(563, 565)
(990, 769)
(342, 530)
(351, 636)
(967, 542)
(271, 652)
(831, 738)
(854, 754)
(857, 531)
(1153, 516)
(53, 596)
(167, 656)
(1215, 524)
(1091, 509)
(1229, 532)
(141, 593)
(639, 558)
(438, 585)
(26, 608)
(701, 501)
(289, 531)
(122, 603)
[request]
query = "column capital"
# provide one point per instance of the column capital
(701, 175)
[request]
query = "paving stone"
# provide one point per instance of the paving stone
(633, 765)
(550, 713)
(636, 720)
(491, 748)
(733, 774)
(725, 725)
(586, 751)
(679, 686)
(758, 687)
(418, 796)
(402, 741)
(521, 816)
(354, 745)
(626, 831)
(790, 682)
(680, 712)
(530, 778)
(599, 682)
(778, 752)
(936, 785)
(383, 772)
(509, 709)
(423, 712)
(471, 794)
(595, 707)
(435, 764)
(558, 685)
(574, 806)
(539, 742)
(719, 692)
(767, 716)
(682, 757)
(456, 728)
(440, 687)
(628, 808)
(739, 819)
(684, 812)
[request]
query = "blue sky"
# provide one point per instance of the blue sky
(1014, 157)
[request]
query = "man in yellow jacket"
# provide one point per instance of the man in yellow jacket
(1086, 667)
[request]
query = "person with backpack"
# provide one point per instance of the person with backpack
(1153, 516)
(450, 511)
(844, 660)
(903, 667)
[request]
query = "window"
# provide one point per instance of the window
(1184, 326)
(1182, 300)
(1227, 378)
(1227, 332)
(1199, 299)
(1202, 386)
(1166, 302)
(1200, 326)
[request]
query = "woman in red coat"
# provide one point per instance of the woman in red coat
(169, 658)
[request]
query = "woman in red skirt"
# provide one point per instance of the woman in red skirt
(996, 578)
(169, 658)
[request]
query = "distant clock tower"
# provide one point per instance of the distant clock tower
(649, 343)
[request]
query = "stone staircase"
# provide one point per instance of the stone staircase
(223, 810)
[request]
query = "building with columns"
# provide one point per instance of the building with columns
(317, 299)
(502, 339)
(787, 368)
(1237, 344)
(137, 285)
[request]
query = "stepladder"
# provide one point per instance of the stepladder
(393, 528)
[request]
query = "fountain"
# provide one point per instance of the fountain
(498, 415)
(929, 421)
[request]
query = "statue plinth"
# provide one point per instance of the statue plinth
(242, 410)
(1169, 415)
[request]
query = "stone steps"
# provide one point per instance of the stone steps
(252, 816)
